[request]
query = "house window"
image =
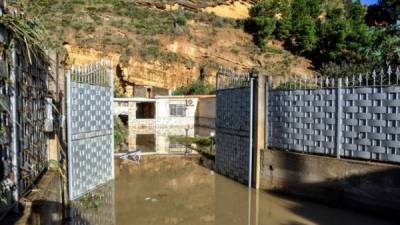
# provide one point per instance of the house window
(177, 110)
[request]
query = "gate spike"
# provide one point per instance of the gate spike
(346, 81)
(389, 74)
(321, 82)
(316, 82)
(360, 80)
(299, 81)
(397, 76)
(382, 74)
(374, 77)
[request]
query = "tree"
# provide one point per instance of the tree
(342, 34)
(305, 33)
(262, 22)
(304, 24)
(284, 19)
(357, 37)
(355, 11)
(385, 12)
(392, 7)
(333, 33)
(385, 46)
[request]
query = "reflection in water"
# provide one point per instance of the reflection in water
(163, 191)
(159, 141)
(145, 142)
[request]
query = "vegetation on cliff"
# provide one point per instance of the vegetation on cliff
(119, 25)
(149, 31)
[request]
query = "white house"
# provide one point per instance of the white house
(152, 121)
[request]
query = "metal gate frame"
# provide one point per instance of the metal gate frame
(90, 127)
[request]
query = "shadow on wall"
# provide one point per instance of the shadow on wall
(356, 185)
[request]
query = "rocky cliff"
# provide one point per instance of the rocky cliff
(164, 44)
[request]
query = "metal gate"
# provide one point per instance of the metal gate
(234, 125)
(90, 127)
(23, 139)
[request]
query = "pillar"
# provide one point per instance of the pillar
(259, 129)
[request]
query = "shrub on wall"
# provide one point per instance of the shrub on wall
(195, 88)
(121, 133)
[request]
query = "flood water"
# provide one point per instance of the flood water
(172, 190)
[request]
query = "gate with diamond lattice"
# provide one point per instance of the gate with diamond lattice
(90, 127)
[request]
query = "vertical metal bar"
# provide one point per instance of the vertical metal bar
(111, 80)
(69, 133)
(251, 132)
(291, 139)
(14, 129)
(339, 115)
(267, 112)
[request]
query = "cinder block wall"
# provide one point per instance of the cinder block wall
(361, 185)
(232, 128)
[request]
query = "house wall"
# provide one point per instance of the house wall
(164, 125)
(205, 116)
(165, 120)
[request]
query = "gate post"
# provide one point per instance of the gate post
(260, 126)
(339, 117)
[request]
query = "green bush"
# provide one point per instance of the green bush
(203, 141)
(121, 132)
(345, 69)
(181, 21)
(195, 88)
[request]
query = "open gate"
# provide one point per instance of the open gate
(90, 127)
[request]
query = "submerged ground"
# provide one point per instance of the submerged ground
(176, 190)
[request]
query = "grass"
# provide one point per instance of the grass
(92, 201)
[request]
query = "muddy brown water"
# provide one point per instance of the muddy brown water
(172, 190)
